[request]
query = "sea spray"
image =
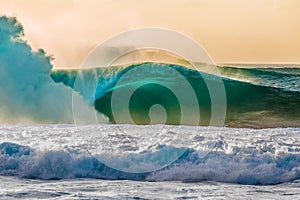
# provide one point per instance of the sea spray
(27, 92)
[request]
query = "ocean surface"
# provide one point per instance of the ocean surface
(65, 161)
(227, 133)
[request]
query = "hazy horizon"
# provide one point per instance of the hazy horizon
(232, 31)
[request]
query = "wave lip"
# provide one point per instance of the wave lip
(241, 166)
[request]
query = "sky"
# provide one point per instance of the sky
(232, 31)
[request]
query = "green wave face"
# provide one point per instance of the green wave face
(255, 97)
(151, 94)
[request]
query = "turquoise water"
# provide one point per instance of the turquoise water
(255, 97)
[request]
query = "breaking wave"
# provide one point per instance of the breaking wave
(255, 97)
(242, 166)
(27, 92)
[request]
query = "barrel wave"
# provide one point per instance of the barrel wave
(256, 97)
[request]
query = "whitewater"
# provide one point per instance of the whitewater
(52, 161)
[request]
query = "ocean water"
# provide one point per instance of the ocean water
(250, 152)
(15, 188)
(65, 161)
(252, 97)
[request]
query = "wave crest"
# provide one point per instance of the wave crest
(256, 98)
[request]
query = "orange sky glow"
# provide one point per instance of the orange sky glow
(232, 31)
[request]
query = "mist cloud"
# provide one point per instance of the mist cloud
(27, 92)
